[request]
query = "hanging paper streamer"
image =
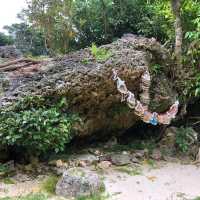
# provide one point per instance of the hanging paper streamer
(140, 109)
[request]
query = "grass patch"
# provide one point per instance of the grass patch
(28, 197)
(151, 163)
(99, 196)
(94, 197)
(49, 184)
(132, 171)
(8, 181)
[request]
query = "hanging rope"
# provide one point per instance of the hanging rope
(140, 109)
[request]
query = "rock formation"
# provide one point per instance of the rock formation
(78, 182)
(86, 81)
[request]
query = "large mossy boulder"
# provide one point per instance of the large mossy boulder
(84, 79)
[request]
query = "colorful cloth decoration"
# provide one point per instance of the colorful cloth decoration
(154, 119)
(140, 109)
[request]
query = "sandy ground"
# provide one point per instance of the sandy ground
(171, 181)
(20, 188)
(166, 181)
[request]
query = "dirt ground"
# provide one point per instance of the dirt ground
(168, 181)
(162, 181)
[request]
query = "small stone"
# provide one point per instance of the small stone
(125, 152)
(95, 152)
(88, 159)
(170, 159)
(77, 182)
(120, 159)
(82, 164)
(134, 160)
(106, 157)
(156, 154)
(140, 153)
(104, 165)
(59, 163)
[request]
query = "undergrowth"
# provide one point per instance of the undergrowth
(184, 137)
(28, 197)
(100, 54)
(94, 197)
(49, 185)
(37, 124)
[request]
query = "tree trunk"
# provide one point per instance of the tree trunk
(176, 8)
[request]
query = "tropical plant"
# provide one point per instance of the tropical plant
(184, 137)
(35, 126)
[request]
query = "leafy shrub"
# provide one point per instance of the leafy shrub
(36, 125)
(184, 137)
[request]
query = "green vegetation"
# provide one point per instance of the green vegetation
(27, 39)
(5, 39)
(100, 196)
(94, 197)
(100, 54)
(197, 198)
(8, 181)
(28, 197)
(37, 124)
(39, 196)
(3, 168)
(49, 184)
(183, 138)
(46, 29)
(151, 163)
(156, 68)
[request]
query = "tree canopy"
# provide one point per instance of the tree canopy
(59, 26)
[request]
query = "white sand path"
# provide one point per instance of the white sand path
(172, 181)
